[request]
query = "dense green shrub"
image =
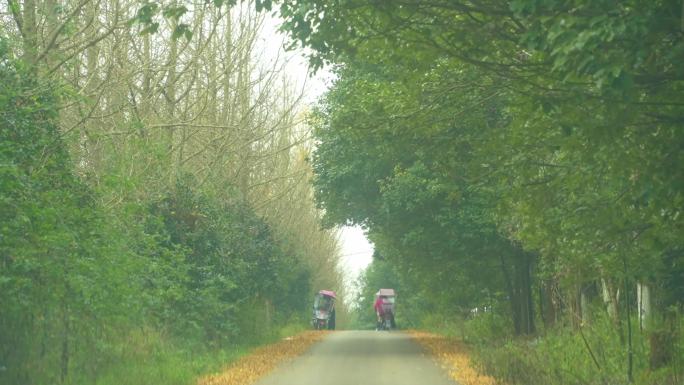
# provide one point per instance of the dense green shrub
(63, 275)
(596, 354)
(159, 291)
(486, 327)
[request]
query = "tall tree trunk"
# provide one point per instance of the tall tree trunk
(92, 83)
(527, 300)
(584, 307)
(512, 297)
(579, 306)
(643, 305)
(227, 117)
(170, 94)
(52, 23)
(146, 97)
(29, 29)
(519, 283)
(172, 63)
(246, 121)
(548, 303)
(610, 296)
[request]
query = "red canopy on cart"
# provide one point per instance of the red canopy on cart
(328, 293)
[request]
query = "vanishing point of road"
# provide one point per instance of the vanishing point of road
(360, 358)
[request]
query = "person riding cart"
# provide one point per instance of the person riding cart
(384, 309)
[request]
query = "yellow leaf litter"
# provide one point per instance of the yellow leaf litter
(262, 360)
(452, 354)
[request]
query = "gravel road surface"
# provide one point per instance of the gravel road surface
(360, 358)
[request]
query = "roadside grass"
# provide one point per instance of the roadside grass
(171, 367)
(292, 329)
(454, 356)
(262, 360)
(596, 354)
(147, 357)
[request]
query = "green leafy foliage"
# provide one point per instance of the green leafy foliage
(227, 257)
(390, 158)
(534, 143)
(149, 14)
(61, 269)
(160, 290)
(595, 356)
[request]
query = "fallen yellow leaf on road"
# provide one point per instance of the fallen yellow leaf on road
(262, 360)
(452, 354)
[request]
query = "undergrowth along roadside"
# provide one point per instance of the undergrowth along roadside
(591, 355)
(152, 358)
(453, 356)
(262, 360)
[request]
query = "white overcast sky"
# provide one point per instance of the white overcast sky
(355, 249)
(357, 253)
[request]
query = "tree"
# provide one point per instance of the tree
(580, 171)
(61, 270)
(166, 177)
(391, 159)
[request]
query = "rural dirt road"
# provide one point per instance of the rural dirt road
(360, 358)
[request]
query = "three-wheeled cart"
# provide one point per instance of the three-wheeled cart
(324, 310)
